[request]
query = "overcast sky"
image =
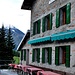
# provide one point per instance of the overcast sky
(12, 14)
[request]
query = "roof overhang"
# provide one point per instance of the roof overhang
(24, 40)
(27, 4)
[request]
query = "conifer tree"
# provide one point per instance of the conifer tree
(10, 44)
(3, 47)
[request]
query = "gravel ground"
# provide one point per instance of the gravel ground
(7, 72)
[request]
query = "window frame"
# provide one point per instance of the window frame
(47, 22)
(67, 55)
(63, 17)
(36, 57)
(47, 55)
(66, 18)
(36, 27)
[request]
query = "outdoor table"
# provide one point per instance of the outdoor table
(33, 70)
(19, 69)
(47, 73)
(11, 66)
(24, 69)
(15, 67)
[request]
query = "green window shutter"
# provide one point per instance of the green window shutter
(38, 55)
(50, 55)
(25, 54)
(56, 55)
(68, 13)
(21, 54)
(50, 21)
(57, 18)
(67, 64)
(43, 55)
(39, 22)
(33, 52)
(43, 24)
(33, 28)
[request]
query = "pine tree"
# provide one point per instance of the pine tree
(2, 45)
(6, 46)
(10, 44)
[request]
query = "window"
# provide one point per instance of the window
(21, 55)
(62, 55)
(36, 55)
(46, 55)
(63, 15)
(47, 23)
(51, 1)
(25, 54)
(36, 27)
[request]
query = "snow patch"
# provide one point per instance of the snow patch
(7, 26)
(13, 30)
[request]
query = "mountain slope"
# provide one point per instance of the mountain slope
(17, 36)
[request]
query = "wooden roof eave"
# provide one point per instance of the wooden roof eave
(27, 4)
